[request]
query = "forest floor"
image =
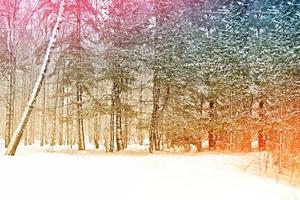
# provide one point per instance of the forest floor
(57, 173)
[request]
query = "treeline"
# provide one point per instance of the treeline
(163, 73)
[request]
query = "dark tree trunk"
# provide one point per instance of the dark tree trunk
(80, 133)
(96, 131)
(153, 136)
(119, 133)
(159, 104)
(69, 123)
(140, 120)
(112, 119)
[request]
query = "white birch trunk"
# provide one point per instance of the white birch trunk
(11, 150)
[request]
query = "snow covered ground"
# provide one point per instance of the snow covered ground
(47, 174)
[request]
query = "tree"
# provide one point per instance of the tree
(37, 87)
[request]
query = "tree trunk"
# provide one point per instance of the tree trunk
(96, 124)
(25, 99)
(112, 121)
(201, 103)
(10, 107)
(154, 134)
(112, 133)
(44, 125)
(80, 132)
(96, 131)
(119, 133)
(153, 138)
(140, 136)
(61, 112)
(126, 116)
(54, 116)
(12, 72)
(61, 122)
(69, 119)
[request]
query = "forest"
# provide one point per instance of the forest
(168, 75)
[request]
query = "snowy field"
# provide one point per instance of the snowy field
(37, 173)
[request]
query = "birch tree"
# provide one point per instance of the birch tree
(37, 87)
